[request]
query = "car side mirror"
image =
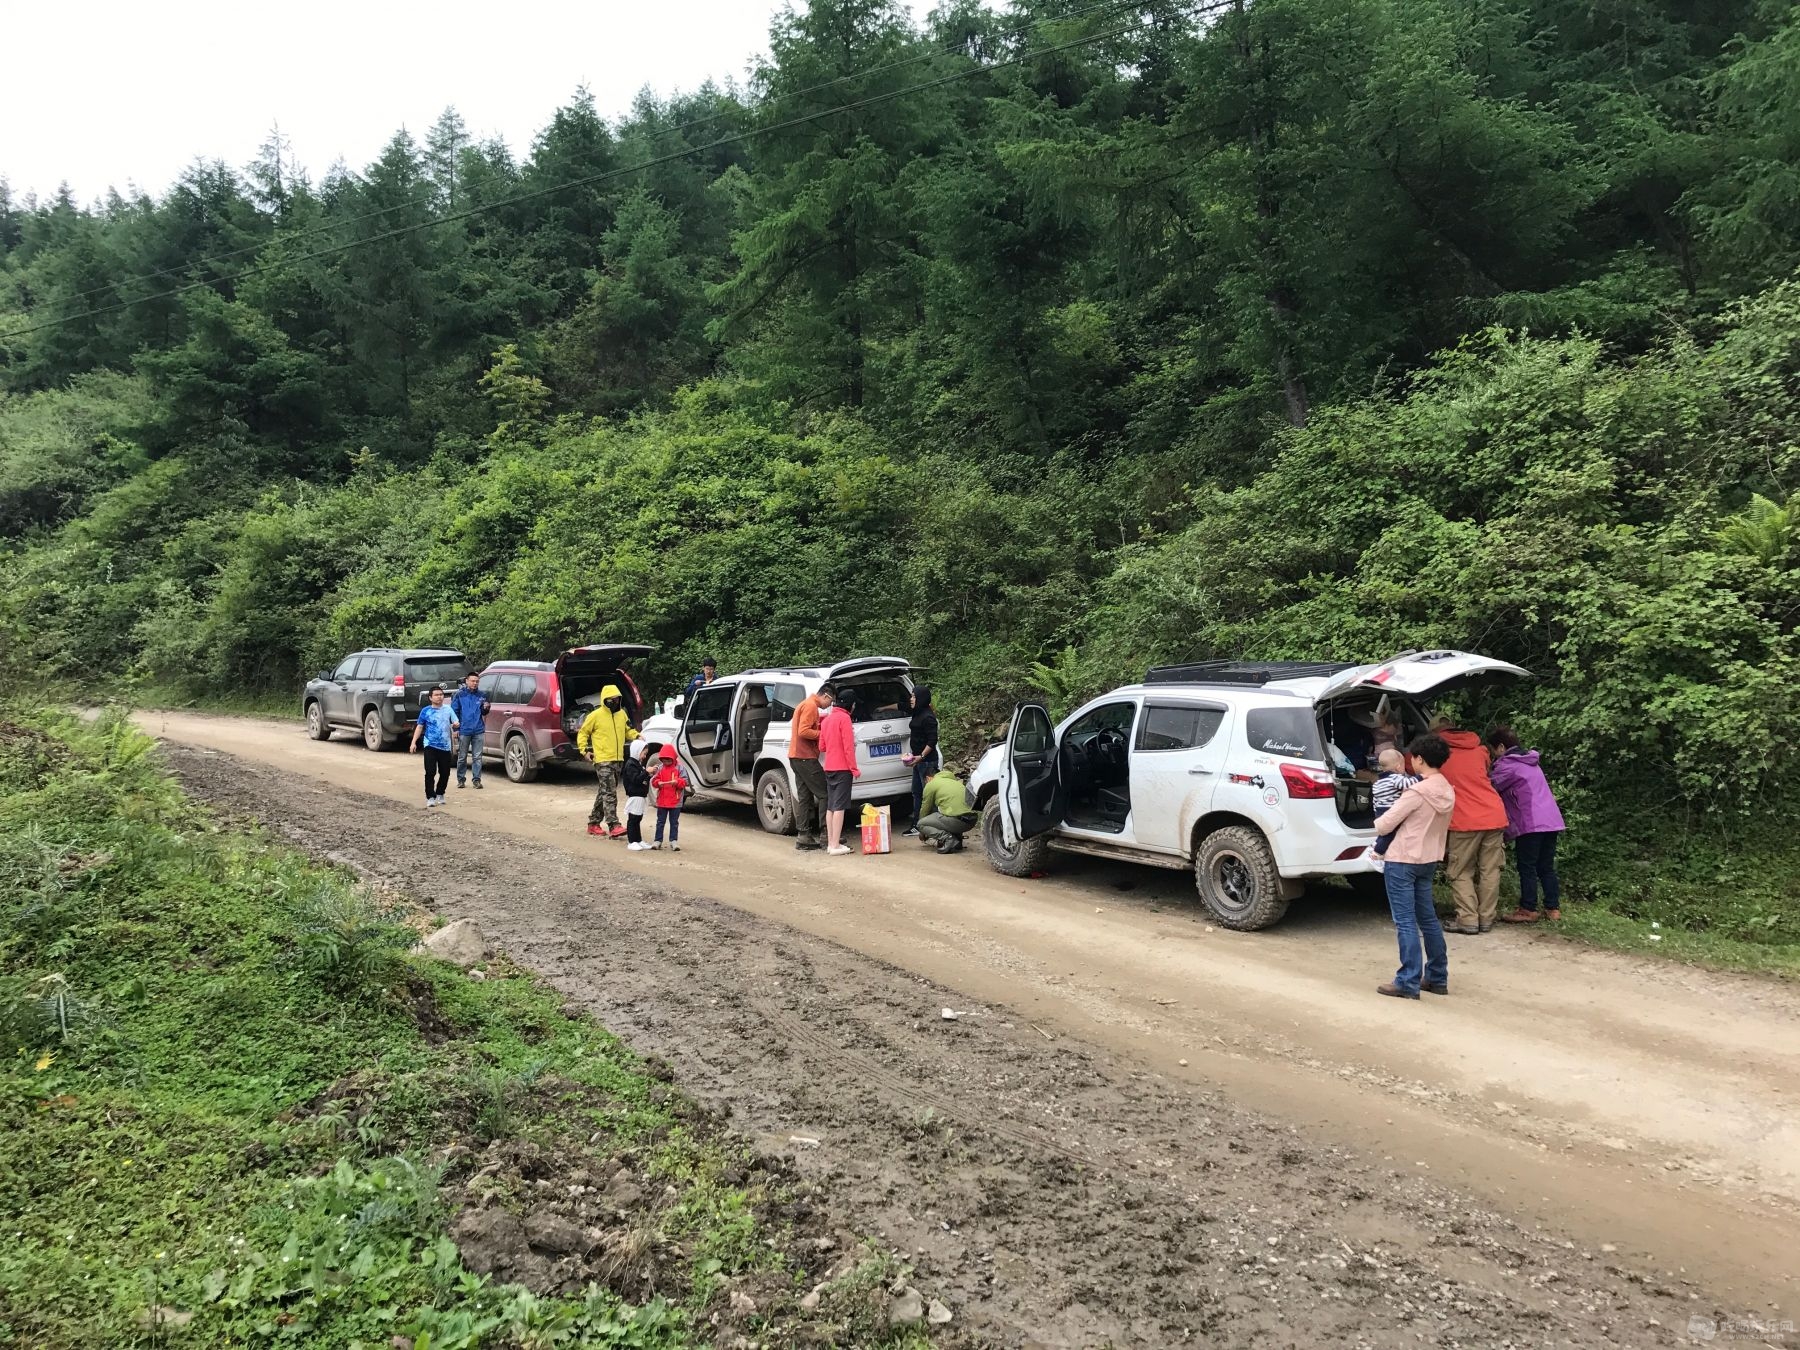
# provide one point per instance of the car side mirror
(680, 710)
(323, 675)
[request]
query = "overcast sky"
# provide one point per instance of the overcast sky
(103, 93)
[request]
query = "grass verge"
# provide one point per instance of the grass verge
(236, 1110)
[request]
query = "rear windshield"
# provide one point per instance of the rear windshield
(436, 671)
(876, 699)
(1291, 733)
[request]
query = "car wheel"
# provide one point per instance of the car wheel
(775, 802)
(1235, 874)
(517, 757)
(1020, 860)
(373, 736)
(316, 725)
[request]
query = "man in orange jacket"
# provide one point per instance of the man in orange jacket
(809, 774)
(1477, 850)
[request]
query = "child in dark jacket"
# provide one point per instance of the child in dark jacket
(637, 787)
(670, 785)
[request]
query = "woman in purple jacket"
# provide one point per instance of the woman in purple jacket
(1533, 824)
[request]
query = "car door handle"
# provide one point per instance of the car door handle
(1207, 771)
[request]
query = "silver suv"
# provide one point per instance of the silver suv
(733, 734)
(1255, 774)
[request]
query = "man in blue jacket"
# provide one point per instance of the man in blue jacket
(470, 706)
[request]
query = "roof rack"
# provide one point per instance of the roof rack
(1242, 672)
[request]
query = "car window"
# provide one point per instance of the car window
(1289, 732)
(711, 704)
(528, 688)
(381, 668)
(875, 699)
(346, 668)
(783, 699)
(1032, 733)
(1177, 727)
(516, 688)
(1116, 715)
(488, 686)
(435, 670)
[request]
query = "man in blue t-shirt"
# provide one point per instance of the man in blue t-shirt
(709, 671)
(471, 708)
(437, 727)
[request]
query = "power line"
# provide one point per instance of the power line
(455, 216)
(326, 227)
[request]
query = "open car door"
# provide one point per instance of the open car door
(706, 740)
(1421, 675)
(1033, 800)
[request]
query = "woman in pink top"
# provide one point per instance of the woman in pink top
(1420, 824)
(837, 752)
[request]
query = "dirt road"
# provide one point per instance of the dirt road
(1644, 1113)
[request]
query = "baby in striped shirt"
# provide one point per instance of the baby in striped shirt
(1393, 781)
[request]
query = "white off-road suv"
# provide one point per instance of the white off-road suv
(1255, 774)
(733, 734)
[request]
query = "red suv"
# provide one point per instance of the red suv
(538, 705)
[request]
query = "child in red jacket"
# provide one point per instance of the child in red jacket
(670, 785)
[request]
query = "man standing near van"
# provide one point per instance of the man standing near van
(709, 671)
(809, 774)
(604, 734)
(471, 707)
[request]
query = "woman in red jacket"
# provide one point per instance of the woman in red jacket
(837, 750)
(1477, 851)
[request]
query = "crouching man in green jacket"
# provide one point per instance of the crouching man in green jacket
(945, 815)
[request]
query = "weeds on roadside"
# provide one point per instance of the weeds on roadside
(347, 941)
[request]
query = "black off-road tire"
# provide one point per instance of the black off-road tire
(1030, 856)
(775, 801)
(316, 725)
(515, 758)
(374, 735)
(1234, 871)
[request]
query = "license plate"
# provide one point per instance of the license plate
(883, 749)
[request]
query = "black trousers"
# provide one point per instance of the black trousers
(439, 762)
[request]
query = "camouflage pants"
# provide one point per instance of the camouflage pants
(606, 796)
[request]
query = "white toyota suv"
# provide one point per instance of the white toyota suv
(733, 734)
(1255, 774)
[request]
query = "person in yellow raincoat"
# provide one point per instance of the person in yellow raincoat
(604, 734)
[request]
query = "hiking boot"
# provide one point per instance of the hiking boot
(1465, 929)
(1394, 991)
(1553, 915)
(805, 845)
(461, 784)
(1487, 927)
(616, 832)
(950, 846)
(1436, 988)
(596, 829)
(1520, 915)
(478, 785)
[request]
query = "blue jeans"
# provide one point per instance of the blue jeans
(1416, 924)
(670, 816)
(921, 771)
(468, 756)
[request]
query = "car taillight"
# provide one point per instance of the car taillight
(555, 695)
(1305, 784)
(399, 681)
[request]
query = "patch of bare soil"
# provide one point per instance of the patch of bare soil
(1050, 1193)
